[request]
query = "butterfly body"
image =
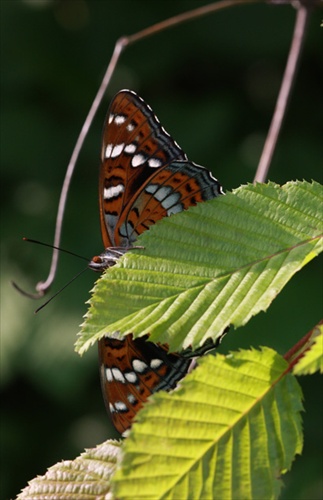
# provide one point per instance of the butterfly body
(144, 177)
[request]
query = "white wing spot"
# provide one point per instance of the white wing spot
(155, 363)
(108, 151)
(139, 366)
(130, 148)
(131, 398)
(151, 188)
(138, 160)
(162, 193)
(154, 162)
(118, 375)
(111, 408)
(117, 150)
(175, 209)
(171, 200)
(113, 191)
(119, 119)
(131, 377)
(130, 127)
(111, 117)
(108, 374)
(120, 406)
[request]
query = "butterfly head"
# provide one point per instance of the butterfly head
(107, 259)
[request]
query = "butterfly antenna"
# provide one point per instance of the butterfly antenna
(41, 291)
(60, 290)
(56, 248)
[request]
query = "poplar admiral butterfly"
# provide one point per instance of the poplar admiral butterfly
(144, 177)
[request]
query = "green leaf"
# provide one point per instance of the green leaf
(312, 360)
(229, 432)
(87, 477)
(217, 264)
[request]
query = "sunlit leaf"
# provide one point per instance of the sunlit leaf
(229, 432)
(312, 361)
(217, 264)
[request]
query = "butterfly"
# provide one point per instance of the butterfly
(144, 177)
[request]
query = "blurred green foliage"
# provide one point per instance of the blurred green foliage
(213, 84)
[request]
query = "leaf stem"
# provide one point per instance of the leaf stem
(299, 349)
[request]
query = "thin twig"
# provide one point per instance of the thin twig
(43, 286)
(284, 93)
(188, 16)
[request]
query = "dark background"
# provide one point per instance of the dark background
(212, 83)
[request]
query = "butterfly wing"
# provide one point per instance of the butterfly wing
(170, 190)
(131, 370)
(134, 145)
(144, 177)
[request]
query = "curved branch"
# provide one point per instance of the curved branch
(284, 93)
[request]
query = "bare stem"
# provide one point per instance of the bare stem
(188, 16)
(284, 93)
(43, 286)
